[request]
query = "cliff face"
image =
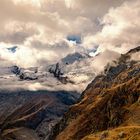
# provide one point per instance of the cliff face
(111, 101)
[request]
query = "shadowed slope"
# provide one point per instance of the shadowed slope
(23, 113)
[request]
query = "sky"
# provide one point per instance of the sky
(44, 31)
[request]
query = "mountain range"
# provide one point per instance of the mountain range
(109, 108)
(44, 103)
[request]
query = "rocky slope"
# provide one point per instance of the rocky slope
(109, 107)
(31, 115)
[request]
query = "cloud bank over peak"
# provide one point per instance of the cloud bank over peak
(46, 30)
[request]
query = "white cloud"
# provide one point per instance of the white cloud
(135, 56)
(121, 29)
(40, 27)
(103, 59)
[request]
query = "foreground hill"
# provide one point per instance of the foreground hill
(109, 107)
(30, 115)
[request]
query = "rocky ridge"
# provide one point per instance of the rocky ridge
(110, 101)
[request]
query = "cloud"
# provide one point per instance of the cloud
(103, 59)
(17, 32)
(23, 56)
(55, 15)
(40, 27)
(135, 56)
(27, 56)
(121, 29)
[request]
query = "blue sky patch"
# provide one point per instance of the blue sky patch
(76, 38)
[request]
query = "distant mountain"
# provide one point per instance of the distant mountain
(109, 108)
(76, 70)
(72, 66)
(34, 100)
(71, 58)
